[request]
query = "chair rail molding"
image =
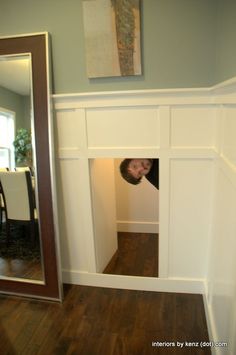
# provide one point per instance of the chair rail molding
(224, 92)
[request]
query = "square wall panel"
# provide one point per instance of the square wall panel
(123, 127)
(228, 132)
(68, 127)
(191, 182)
(193, 126)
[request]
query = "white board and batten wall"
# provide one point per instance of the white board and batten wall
(176, 127)
(192, 132)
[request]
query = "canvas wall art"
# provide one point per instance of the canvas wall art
(112, 37)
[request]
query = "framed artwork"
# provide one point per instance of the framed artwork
(112, 37)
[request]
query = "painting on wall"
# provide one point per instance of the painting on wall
(112, 37)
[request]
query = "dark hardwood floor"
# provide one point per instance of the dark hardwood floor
(95, 321)
(19, 268)
(137, 255)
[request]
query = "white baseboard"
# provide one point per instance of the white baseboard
(137, 227)
(210, 325)
(134, 282)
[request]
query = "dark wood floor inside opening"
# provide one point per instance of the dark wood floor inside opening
(137, 255)
(95, 321)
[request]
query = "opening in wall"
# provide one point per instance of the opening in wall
(125, 217)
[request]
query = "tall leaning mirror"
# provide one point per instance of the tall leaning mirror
(29, 263)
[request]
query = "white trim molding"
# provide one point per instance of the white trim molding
(195, 286)
(224, 92)
(137, 227)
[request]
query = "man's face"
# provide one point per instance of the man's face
(139, 167)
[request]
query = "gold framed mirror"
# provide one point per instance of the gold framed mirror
(25, 112)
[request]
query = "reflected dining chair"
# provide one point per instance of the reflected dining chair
(18, 200)
(2, 207)
(22, 168)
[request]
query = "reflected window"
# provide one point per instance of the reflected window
(7, 129)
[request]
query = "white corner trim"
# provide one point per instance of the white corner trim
(137, 227)
(225, 87)
(210, 322)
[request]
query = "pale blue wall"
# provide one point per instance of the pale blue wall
(13, 102)
(226, 40)
(179, 42)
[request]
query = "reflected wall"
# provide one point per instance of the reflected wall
(22, 258)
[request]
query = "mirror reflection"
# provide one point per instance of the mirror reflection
(126, 215)
(20, 247)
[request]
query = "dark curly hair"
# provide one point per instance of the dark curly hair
(126, 174)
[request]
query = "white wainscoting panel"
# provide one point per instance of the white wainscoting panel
(71, 132)
(221, 295)
(106, 131)
(193, 126)
(78, 252)
(67, 133)
(221, 279)
(190, 211)
(181, 128)
(123, 127)
(228, 148)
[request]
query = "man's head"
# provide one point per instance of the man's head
(132, 170)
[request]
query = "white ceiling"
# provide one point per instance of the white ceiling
(15, 74)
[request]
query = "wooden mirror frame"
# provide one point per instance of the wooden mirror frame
(37, 45)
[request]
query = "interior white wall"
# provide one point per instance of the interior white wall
(137, 206)
(103, 210)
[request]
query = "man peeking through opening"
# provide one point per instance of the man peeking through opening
(133, 170)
